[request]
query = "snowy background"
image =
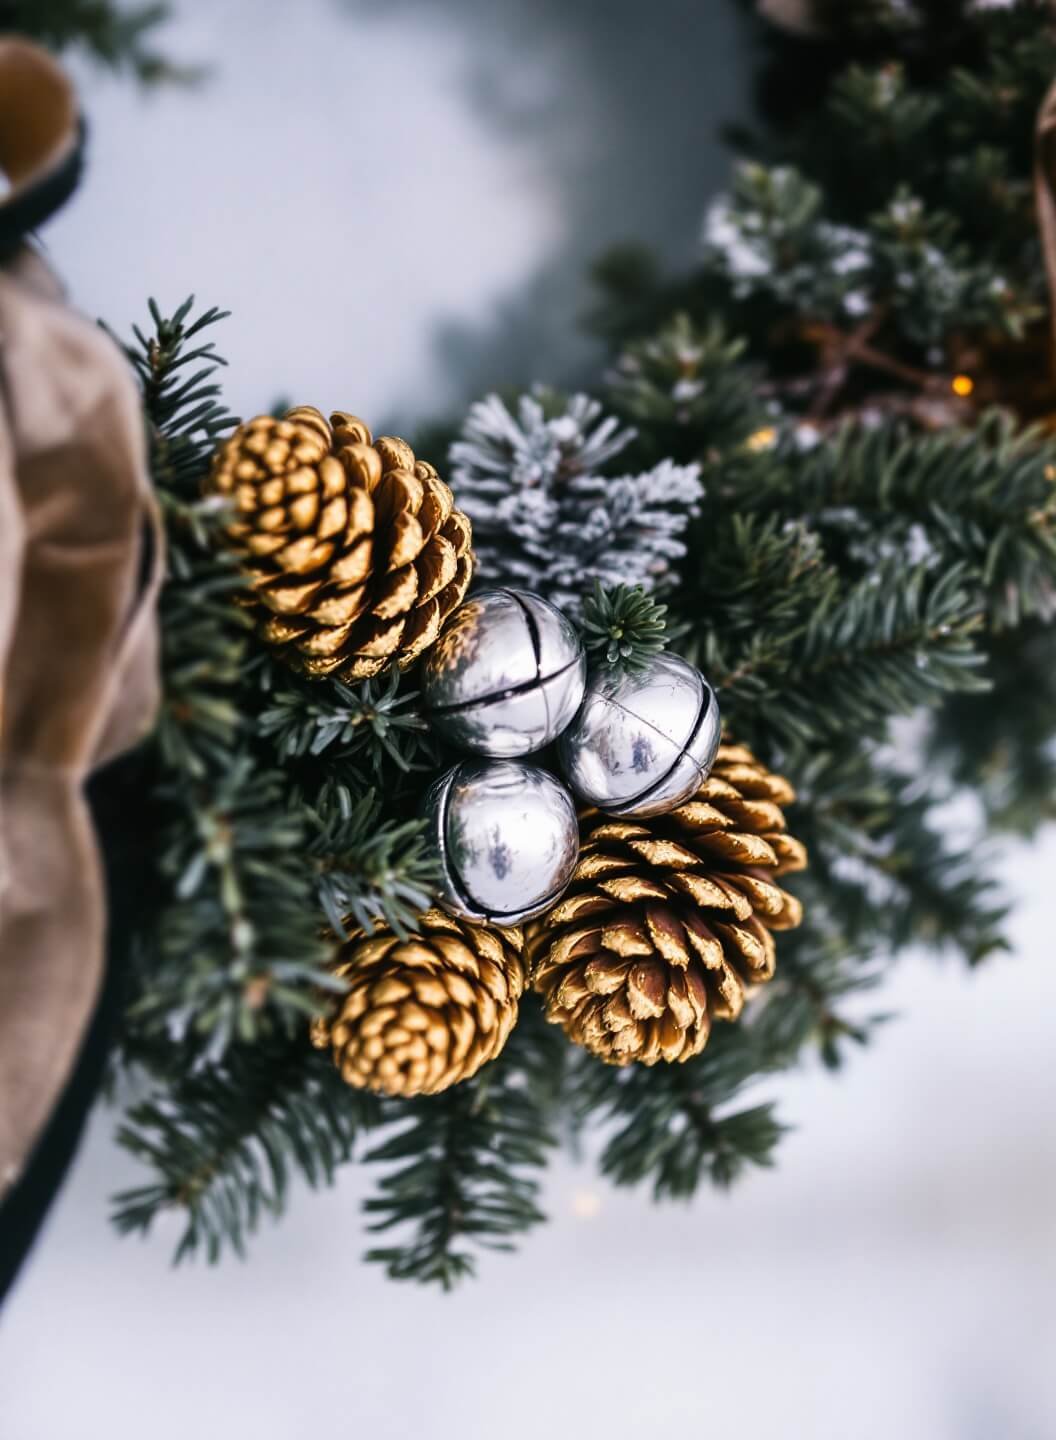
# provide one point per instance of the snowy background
(398, 206)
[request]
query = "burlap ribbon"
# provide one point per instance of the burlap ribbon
(1045, 191)
(78, 636)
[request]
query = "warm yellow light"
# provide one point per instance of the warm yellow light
(763, 439)
(586, 1204)
(962, 385)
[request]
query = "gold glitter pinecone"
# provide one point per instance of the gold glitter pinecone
(354, 549)
(424, 1013)
(667, 922)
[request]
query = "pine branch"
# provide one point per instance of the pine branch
(373, 722)
(235, 953)
(688, 390)
(1002, 745)
(805, 1004)
(770, 238)
(203, 658)
(986, 498)
(763, 583)
(204, 635)
(466, 1162)
(675, 1123)
(884, 871)
(679, 1125)
(225, 1142)
(898, 639)
(369, 870)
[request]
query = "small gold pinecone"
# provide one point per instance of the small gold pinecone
(354, 549)
(668, 920)
(424, 1013)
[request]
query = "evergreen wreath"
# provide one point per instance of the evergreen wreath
(814, 467)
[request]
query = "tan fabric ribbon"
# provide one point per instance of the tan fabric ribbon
(1045, 191)
(78, 668)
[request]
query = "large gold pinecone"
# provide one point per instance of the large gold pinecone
(354, 549)
(424, 1013)
(667, 922)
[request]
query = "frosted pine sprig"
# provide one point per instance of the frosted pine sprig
(544, 514)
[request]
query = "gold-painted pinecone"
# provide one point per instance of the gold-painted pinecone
(667, 921)
(354, 549)
(424, 1013)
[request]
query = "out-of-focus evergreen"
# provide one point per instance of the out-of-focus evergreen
(819, 465)
(877, 258)
(120, 34)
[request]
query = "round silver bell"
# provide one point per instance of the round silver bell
(508, 840)
(506, 676)
(643, 741)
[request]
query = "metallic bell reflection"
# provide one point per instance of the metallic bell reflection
(508, 840)
(642, 741)
(506, 676)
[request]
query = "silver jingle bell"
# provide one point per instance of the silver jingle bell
(508, 839)
(643, 741)
(506, 676)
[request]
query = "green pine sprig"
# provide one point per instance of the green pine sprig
(374, 722)
(463, 1168)
(224, 1143)
(369, 870)
(623, 626)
